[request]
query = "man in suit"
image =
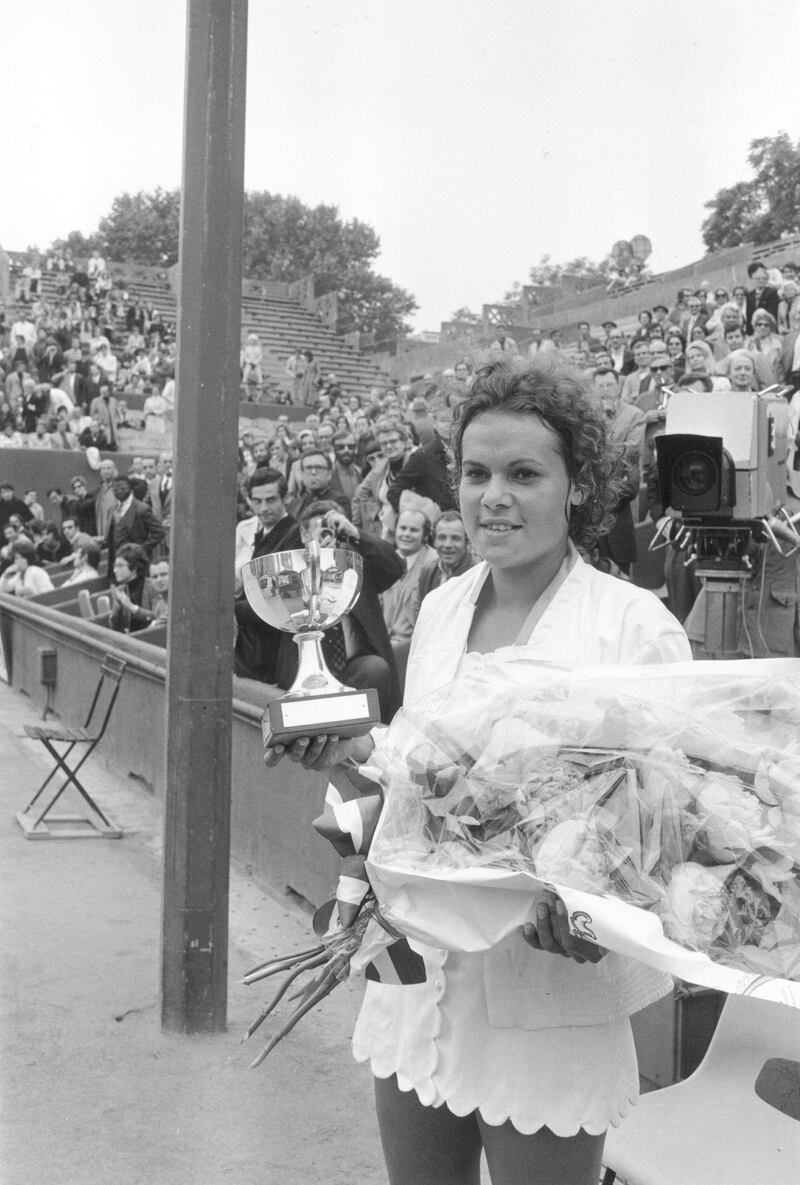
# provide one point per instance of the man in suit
(621, 357)
(696, 314)
(104, 408)
(131, 521)
(362, 655)
(760, 296)
(271, 528)
(626, 425)
(159, 497)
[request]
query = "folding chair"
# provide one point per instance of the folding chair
(734, 1121)
(37, 825)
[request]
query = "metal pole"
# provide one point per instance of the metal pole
(199, 670)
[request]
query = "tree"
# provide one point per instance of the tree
(283, 240)
(546, 274)
(143, 228)
(286, 240)
(764, 208)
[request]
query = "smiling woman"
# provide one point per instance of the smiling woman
(516, 1051)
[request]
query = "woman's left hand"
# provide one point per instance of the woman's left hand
(551, 932)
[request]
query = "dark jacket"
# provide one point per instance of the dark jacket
(137, 525)
(767, 299)
(255, 653)
(426, 473)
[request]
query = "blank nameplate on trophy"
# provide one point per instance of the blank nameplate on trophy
(343, 714)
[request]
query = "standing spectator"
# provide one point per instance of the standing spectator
(105, 409)
(84, 508)
(10, 505)
(295, 369)
(159, 498)
(105, 500)
(426, 472)
(132, 522)
(252, 356)
(626, 425)
(695, 316)
(309, 382)
(761, 296)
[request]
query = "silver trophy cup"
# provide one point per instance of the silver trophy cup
(305, 592)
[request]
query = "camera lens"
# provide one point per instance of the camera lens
(694, 474)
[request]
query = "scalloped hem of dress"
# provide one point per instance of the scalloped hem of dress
(525, 1125)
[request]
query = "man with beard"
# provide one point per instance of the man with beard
(345, 474)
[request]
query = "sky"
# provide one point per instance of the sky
(474, 137)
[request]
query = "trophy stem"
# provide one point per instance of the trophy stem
(313, 676)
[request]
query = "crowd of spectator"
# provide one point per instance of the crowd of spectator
(374, 471)
(68, 360)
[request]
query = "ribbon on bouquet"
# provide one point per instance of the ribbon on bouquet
(353, 807)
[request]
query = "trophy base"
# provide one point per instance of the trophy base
(347, 713)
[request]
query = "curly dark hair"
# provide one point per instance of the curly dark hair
(552, 389)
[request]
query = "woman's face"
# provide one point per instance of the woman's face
(761, 328)
(696, 359)
(674, 347)
(514, 491)
(20, 561)
(742, 373)
(739, 294)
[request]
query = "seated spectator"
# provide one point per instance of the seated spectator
(129, 569)
(762, 296)
(53, 546)
(69, 529)
(24, 577)
(93, 436)
(86, 561)
(734, 342)
(742, 371)
(10, 437)
(700, 360)
(766, 341)
(155, 412)
(401, 602)
(372, 511)
(453, 556)
(155, 599)
(316, 471)
(42, 437)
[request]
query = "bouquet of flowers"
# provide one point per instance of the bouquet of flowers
(662, 803)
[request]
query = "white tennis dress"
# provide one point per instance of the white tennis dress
(514, 1033)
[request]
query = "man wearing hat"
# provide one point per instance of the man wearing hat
(660, 314)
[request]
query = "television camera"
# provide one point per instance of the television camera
(722, 469)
